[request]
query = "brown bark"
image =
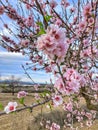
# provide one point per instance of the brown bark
(88, 99)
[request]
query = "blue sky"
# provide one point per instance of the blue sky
(10, 64)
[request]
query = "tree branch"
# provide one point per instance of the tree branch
(28, 107)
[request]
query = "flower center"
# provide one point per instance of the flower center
(11, 108)
(57, 98)
(57, 36)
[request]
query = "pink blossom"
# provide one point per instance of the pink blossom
(86, 53)
(68, 41)
(89, 123)
(55, 126)
(48, 69)
(72, 9)
(61, 50)
(87, 9)
(41, 61)
(56, 32)
(46, 42)
(95, 96)
(73, 80)
(10, 107)
(53, 43)
(36, 95)
(71, 74)
(82, 25)
(59, 85)
(28, 6)
(79, 118)
(65, 3)
(21, 94)
(53, 3)
(86, 42)
(57, 100)
(58, 22)
(68, 107)
(12, 13)
(72, 87)
(1, 10)
(25, 43)
(91, 20)
(74, 19)
(30, 21)
(88, 115)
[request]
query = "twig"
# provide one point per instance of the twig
(28, 107)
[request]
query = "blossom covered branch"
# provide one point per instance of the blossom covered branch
(59, 37)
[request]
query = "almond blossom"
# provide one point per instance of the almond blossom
(53, 43)
(87, 9)
(53, 3)
(68, 107)
(55, 126)
(10, 107)
(73, 82)
(1, 10)
(21, 94)
(57, 100)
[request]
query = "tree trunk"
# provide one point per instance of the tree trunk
(88, 99)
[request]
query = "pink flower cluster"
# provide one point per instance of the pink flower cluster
(68, 107)
(25, 43)
(73, 82)
(55, 126)
(53, 43)
(12, 13)
(87, 10)
(21, 94)
(30, 21)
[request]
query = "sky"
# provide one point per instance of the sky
(11, 64)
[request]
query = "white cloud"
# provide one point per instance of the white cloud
(24, 78)
(10, 54)
(11, 65)
(15, 58)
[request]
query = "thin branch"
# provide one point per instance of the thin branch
(28, 75)
(38, 5)
(28, 107)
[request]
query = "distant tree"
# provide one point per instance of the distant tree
(13, 83)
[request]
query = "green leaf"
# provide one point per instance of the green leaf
(40, 24)
(42, 30)
(1, 107)
(21, 100)
(47, 92)
(42, 95)
(38, 101)
(50, 106)
(48, 17)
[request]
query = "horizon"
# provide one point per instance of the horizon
(11, 64)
